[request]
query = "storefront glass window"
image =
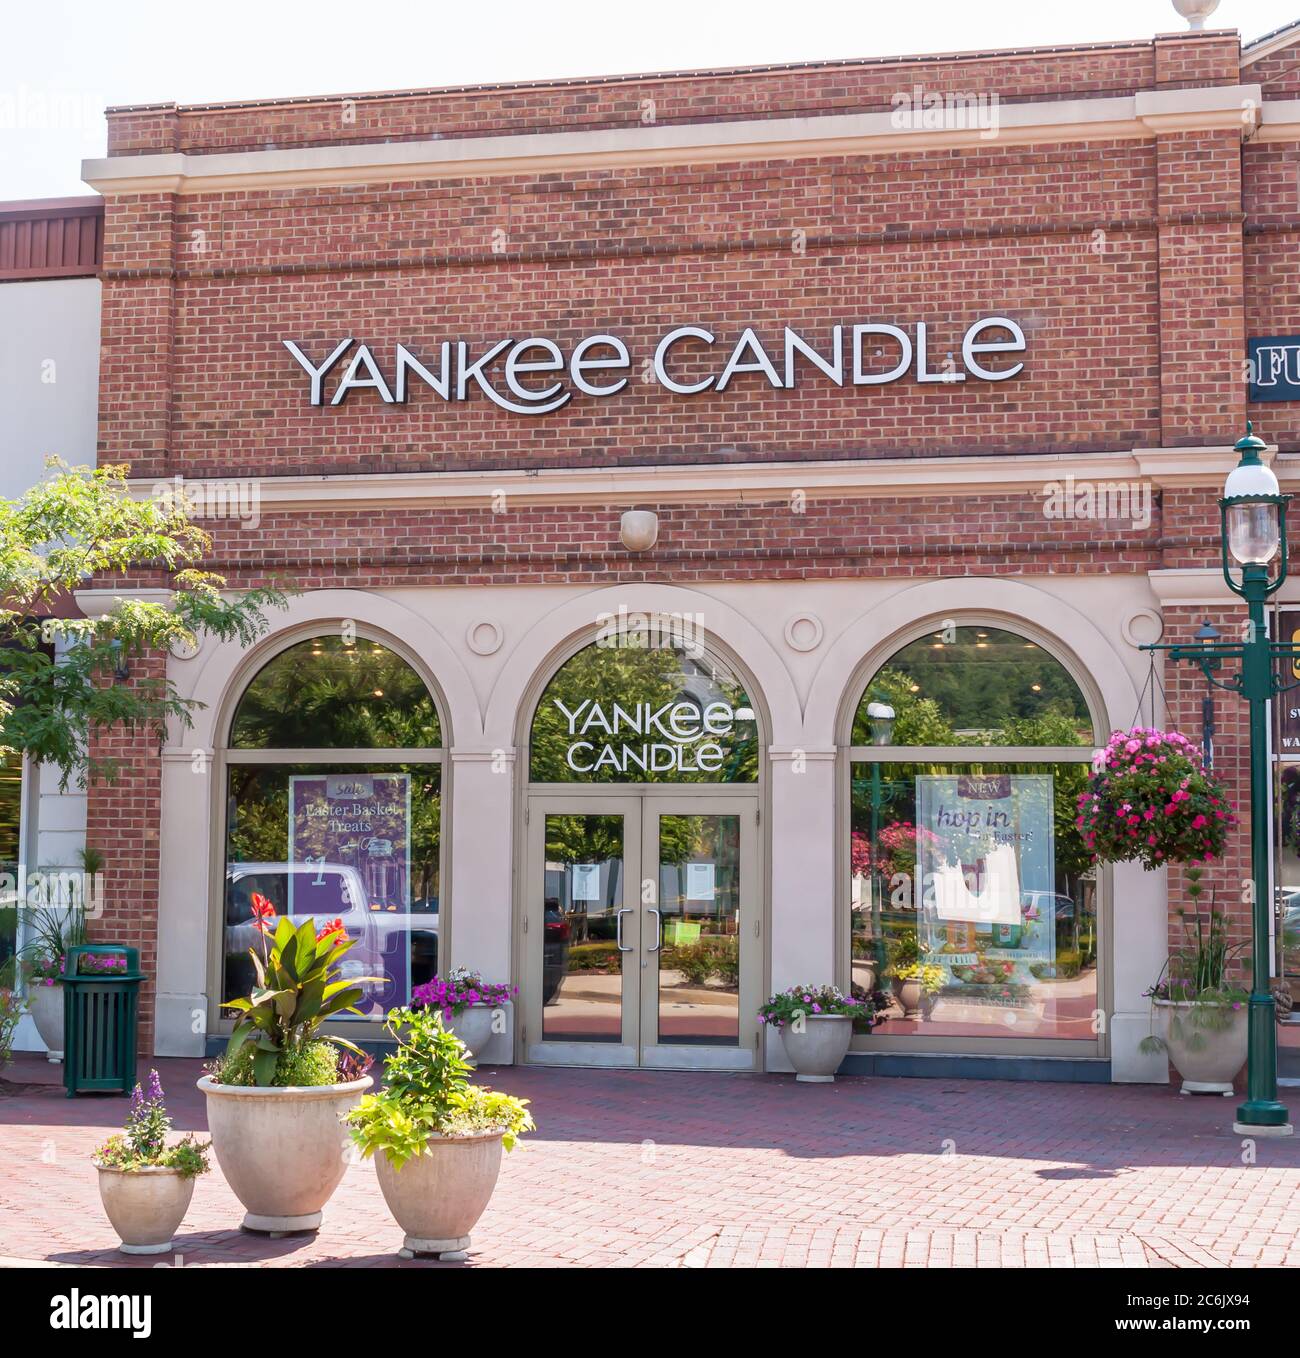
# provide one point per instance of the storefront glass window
(977, 685)
(356, 839)
(974, 903)
(973, 898)
(638, 710)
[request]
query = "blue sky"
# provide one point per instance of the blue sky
(62, 61)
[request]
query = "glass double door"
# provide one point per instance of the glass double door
(642, 932)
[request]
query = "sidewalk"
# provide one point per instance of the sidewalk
(706, 1170)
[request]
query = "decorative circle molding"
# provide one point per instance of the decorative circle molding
(1142, 627)
(182, 650)
(804, 632)
(484, 637)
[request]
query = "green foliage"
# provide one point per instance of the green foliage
(12, 1008)
(790, 1008)
(76, 524)
(143, 1142)
(295, 991)
(427, 1094)
(313, 1064)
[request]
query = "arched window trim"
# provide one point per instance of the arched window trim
(276, 646)
(880, 656)
(579, 641)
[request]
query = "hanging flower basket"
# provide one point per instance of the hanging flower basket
(1150, 799)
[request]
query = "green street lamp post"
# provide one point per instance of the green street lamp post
(881, 717)
(1253, 529)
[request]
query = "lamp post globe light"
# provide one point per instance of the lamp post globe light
(1253, 529)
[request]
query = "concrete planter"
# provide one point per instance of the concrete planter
(283, 1151)
(816, 1052)
(1208, 1059)
(911, 995)
(474, 1028)
(45, 1005)
(436, 1198)
(145, 1206)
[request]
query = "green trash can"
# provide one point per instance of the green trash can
(101, 1011)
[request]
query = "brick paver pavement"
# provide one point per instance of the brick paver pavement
(686, 1170)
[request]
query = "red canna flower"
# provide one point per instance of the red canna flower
(263, 913)
(329, 929)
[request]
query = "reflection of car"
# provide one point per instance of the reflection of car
(555, 950)
(325, 891)
(1062, 907)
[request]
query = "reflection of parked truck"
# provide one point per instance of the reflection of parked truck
(326, 891)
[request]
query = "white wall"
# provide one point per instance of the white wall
(49, 376)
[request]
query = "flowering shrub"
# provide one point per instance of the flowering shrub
(898, 844)
(12, 1008)
(43, 970)
(458, 990)
(143, 1142)
(101, 964)
(1149, 798)
(800, 1002)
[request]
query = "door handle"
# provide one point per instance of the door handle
(659, 928)
(618, 930)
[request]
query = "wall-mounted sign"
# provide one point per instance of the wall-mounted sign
(1274, 368)
(677, 737)
(861, 355)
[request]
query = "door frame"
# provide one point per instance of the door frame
(640, 804)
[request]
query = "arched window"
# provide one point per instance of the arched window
(973, 897)
(636, 709)
(333, 810)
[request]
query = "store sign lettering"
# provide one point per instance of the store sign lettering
(599, 365)
(677, 737)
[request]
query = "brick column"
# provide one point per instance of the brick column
(122, 819)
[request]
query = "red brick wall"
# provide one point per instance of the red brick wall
(122, 823)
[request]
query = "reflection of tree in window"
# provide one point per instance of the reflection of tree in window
(324, 694)
(977, 685)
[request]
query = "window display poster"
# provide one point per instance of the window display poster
(350, 842)
(1289, 703)
(586, 881)
(701, 881)
(987, 865)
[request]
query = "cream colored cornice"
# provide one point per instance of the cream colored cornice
(1139, 116)
(737, 482)
(1281, 121)
(1205, 587)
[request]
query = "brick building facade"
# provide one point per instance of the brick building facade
(1129, 210)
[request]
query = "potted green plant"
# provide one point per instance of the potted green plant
(436, 1139)
(51, 929)
(1201, 1018)
(816, 1024)
(914, 982)
(144, 1183)
(469, 1005)
(276, 1097)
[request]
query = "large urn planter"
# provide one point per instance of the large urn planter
(1207, 1058)
(816, 1046)
(283, 1151)
(438, 1196)
(473, 1025)
(45, 1005)
(145, 1205)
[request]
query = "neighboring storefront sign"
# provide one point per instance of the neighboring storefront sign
(601, 365)
(988, 871)
(358, 826)
(1289, 703)
(1274, 368)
